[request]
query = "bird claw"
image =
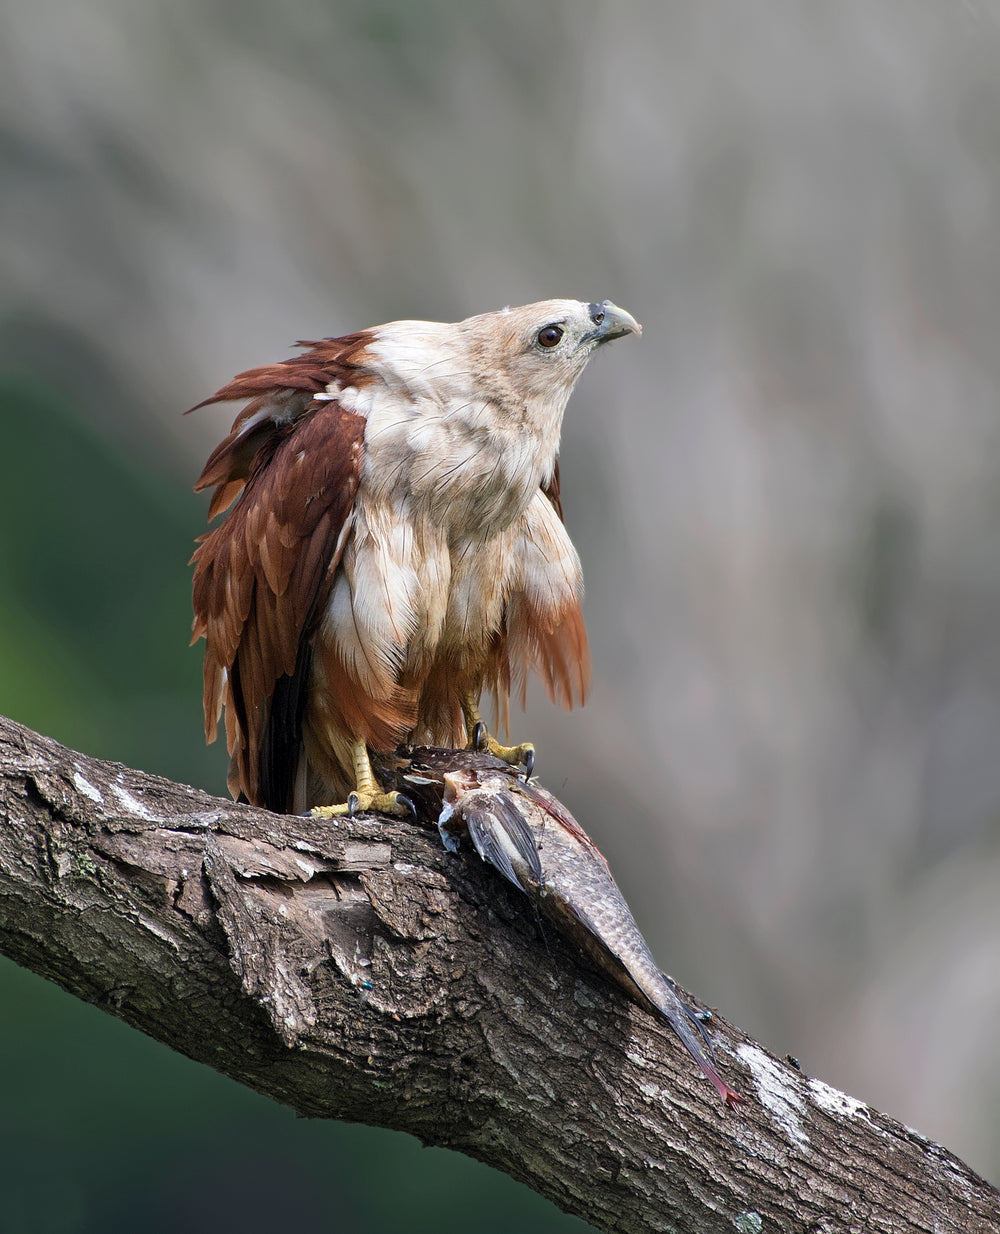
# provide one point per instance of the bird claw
(514, 756)
(361, 802)
(482, 743)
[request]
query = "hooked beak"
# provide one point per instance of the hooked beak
(611, 322)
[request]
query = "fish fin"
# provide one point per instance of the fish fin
(493, 818)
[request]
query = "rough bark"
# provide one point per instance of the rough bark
(356, 970)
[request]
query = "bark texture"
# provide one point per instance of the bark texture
(356, 970)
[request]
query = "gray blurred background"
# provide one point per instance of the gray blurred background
(786, 498)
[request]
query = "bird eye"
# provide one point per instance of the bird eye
(549, 336)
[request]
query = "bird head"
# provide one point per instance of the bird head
(541, 349)
(523, 361)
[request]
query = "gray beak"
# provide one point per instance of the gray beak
(611, 322)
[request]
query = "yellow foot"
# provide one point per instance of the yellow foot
(481, 740)
(368, 795)
(363, 802)
(514, 755)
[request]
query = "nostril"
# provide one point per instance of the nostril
(596, 313)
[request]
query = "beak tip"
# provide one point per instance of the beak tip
(615, 322)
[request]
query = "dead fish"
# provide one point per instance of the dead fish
(537, 845)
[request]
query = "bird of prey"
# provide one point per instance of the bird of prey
(394, 548)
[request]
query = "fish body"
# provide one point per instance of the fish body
(530, 838)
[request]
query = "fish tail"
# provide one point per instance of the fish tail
(697, 1051)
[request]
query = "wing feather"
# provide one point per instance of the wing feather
(259, 579)
(544, 625)
(279, 394)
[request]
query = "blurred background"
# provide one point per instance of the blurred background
(786, 498)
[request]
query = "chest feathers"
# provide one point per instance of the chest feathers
(452, 532)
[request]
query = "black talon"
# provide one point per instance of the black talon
(406, 801)
(479, 737)
(352, 805)
(529, 764)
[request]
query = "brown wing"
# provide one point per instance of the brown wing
(323, 361)
(279, 394)
(262, 575)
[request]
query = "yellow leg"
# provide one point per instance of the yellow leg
(368, 795)
(480, 739)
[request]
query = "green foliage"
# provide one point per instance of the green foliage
(94, 593)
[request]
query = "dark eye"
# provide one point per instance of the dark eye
(549, 336)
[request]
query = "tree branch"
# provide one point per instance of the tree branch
(356, 970)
